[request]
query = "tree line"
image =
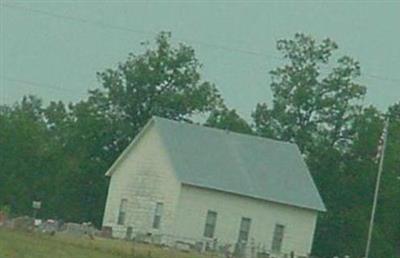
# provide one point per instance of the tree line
(59, 152)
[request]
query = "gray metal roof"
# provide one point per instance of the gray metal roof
(237, 163)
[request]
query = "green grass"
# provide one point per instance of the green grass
(33, 245)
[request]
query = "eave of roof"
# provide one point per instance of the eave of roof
(251, 196)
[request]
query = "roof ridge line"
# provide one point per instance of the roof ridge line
(226, 131)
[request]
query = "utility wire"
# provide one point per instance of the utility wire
(204, 43)
(128, 29)
(38, 85)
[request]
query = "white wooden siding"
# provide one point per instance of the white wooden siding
(194, 203)
(144, 178)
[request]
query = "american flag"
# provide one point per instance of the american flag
(381, 142)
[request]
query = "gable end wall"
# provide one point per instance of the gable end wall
(144, 177)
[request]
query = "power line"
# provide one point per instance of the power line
(383, 78)
(38, 85)
(200, 42)
(77, 19)
(128, 29)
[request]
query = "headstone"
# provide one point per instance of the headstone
(182, 246)
(2, 218)
(129, 232)
(24, 223)
(106, 232)
(37, 222)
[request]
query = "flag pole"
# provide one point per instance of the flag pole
(378, 180)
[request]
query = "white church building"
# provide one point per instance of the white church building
(213, 189)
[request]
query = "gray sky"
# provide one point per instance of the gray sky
(45, 51)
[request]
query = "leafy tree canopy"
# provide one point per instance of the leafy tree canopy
(307, 101)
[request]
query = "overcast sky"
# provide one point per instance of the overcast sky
(54, 50)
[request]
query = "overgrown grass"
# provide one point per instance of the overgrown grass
(15, 244)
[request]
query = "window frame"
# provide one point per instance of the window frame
(210, 224)
(158, 213)
(244, 230)
(122, 211)
(277, 238)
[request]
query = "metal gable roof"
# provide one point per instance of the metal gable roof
(237, 163)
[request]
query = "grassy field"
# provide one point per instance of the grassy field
(32, 245)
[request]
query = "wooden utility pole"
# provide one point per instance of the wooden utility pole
(378, 180)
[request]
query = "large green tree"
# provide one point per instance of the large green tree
(347, 183)
(68, 148)
(310, 99)
(317, 104)
(165, 81)
(29, 159)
